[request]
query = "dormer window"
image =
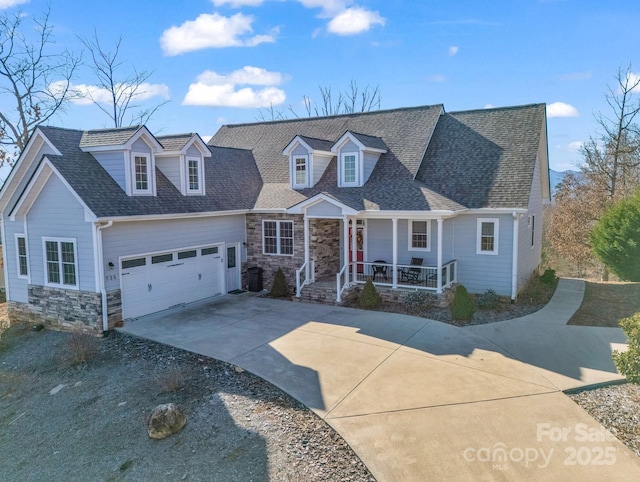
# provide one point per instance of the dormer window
(141, 173)
(300, 166)
(194, 175)
(349, 169)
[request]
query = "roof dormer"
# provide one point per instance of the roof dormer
(127, 154)
(357, 156)
(308, 159)
(182, 162)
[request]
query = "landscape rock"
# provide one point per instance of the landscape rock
(165, 420)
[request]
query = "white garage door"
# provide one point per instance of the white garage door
(151, 283)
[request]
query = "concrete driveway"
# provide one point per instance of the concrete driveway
(422, 400)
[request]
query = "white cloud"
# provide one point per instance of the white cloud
(453, 50)
(4, 4)
(206, 139)
(634, 79)
(330, 8)
(211, 31)
(88, 94)
(353, 21)
(489, 106)
(560, 109)
(575, 146)
(238, 3)
(215, 90)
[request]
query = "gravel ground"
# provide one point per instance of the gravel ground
(64, 420)
(617, 408)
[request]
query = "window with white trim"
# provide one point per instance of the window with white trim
(193, 174)
(61, 265)
(300, 169)
(141, 181)
(419, 239)
(277, 237)
(349, 169)
(21, 253)
(487, 237)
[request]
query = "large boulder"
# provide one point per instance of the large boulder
(165, 420)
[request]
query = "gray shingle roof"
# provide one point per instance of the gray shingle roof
(454, 161)
(232, 182)
(370, 141)
(175, 142)
(318, 144)
(485, 158)
(108, 137)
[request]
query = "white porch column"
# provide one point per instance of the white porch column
(354, 248)
(394, 228)
(439, 264)
(514, 263)
(345, 247)
(306, 248)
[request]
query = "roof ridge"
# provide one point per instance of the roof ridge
(509, 107)
(107, 129)
(166, 136)
(353, 114)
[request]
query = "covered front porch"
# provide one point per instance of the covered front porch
(394, 250)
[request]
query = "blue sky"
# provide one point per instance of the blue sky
(219, 61)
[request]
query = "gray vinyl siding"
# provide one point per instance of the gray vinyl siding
(480, 272)
(170, 167)
(58, 214)
(131, 238)
(324, 209)
(349, 146)
(17, 286)
(141, 146)
(297, 152)
(193, 151)
(380, 242)
(529, 257)
(300, 150)
(113, 162)
(370, 161)
(319, 165)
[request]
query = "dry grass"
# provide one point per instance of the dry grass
(170, 380)
(605, 304)
(81, 348)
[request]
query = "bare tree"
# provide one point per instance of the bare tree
(350, 101)
(118, 94)
(614, 157)
(34, 76)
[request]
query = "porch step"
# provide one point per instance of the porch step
(318, 293)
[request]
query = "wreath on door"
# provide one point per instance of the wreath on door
(359, 239)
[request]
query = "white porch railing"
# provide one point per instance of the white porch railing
(305, 275)
(340, 284)
(420, 277)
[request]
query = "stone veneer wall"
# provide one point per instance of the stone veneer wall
(268, 262)
(324, 244)
(66, 310)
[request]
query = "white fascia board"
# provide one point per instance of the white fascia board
(417, 215)
(162, 217)
(347, 136)
(19, 168)
(498, 211)
(292, 145)
(318, 198)
(148, 137)
(46, 169)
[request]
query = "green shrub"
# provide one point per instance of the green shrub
(462, 306)
(279, 288)
(488, 300)
(549, 277)
(417, 301)
(370, 299)
(628, 362)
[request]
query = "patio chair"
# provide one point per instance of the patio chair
(412, 275)
(379, 269)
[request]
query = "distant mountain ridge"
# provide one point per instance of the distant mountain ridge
(555, 178)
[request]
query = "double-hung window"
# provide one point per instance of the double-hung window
(61, 262)
(350, 169)
(487, 236)
(141, 173)
(277, 237)
(21, 252)
(419, 239)
(300, 171)
(194, 183)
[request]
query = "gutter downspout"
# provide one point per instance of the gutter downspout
(103, 291)
(514, 263)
